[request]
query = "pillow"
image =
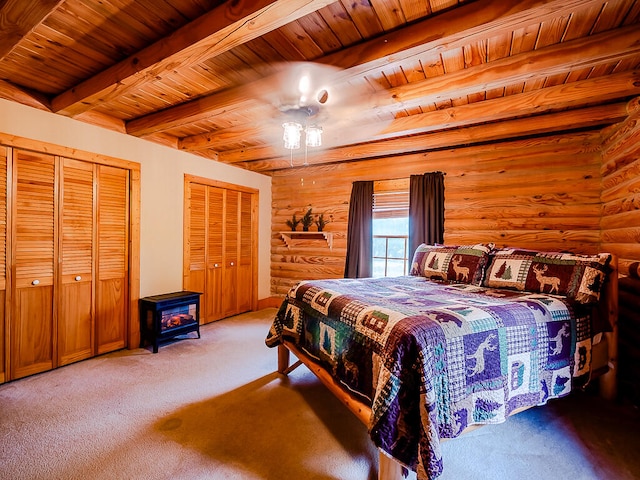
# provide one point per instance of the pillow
(456, 263)
(417, 264)
(579, 277)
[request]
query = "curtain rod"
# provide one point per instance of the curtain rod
(398, 178)
(404, 178)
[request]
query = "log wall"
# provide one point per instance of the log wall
(539, 193)
(620, 229)
(620, 171)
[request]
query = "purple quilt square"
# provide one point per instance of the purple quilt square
(482, 356)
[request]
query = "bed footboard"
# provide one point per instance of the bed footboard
(358, 408)
(388, 468)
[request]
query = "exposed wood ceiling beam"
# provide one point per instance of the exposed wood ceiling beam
(606, 47)
(19, 17)
(11, 92)
(211, 34)
(453, 29)
(187, 112)
(560, 97)
(483, 17)
(511, 70)
(541, 124)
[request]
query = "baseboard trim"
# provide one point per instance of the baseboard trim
(270, 302)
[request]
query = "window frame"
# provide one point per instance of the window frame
(391, 200)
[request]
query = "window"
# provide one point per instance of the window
(390, 228)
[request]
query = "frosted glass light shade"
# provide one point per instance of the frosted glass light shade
(291, 135)
(314, 136)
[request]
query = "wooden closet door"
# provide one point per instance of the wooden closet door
(215, 252)
(220, 233)
(245, 253)
(230, 264)
(75, 314)
(3, 258)
(112, 276)
(35, 213)
(196, 244)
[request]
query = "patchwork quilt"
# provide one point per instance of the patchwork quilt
(432, 358)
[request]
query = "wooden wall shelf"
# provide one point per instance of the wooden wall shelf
(292, 238)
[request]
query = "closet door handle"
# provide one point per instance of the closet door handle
(231, 264)
(215, 265)
(78, 278)
(35, 282)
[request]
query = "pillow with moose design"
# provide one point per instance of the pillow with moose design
(456, 263)
(578, 277)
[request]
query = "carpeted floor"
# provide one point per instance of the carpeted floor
(214, 408)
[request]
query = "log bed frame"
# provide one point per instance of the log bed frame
(604, 356)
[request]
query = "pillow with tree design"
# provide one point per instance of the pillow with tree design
(578, 277)
(454, 263)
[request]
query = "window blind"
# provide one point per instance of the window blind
(390, 199)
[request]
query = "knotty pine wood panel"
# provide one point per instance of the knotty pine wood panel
(32, 332)
(536, 193)
(75, 322)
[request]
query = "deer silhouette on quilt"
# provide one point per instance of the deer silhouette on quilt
(557, 340)
(553, 282)
(478, 356)
(460, 271)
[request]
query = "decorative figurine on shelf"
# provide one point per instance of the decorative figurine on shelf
(321, 222)
(307, 220)
(293, 223)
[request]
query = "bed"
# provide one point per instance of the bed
(473, 335)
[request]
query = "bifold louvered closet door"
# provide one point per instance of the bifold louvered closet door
(220, 247)
(3, 261)
(35, 217)
(68, 247)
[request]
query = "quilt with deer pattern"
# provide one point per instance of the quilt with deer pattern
(432, 358)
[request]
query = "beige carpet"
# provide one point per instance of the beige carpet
(214, 408)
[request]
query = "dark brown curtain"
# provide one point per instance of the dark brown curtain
(426, 209)
(360, 231)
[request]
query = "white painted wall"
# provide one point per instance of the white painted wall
(162, 172)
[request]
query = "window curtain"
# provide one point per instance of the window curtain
(426, 209)
(360, 231)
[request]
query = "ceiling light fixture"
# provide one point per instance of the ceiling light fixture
(299, 114)
(292, 137)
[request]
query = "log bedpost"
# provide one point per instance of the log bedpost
(608, 382)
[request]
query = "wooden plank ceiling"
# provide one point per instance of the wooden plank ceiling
(217, 79)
